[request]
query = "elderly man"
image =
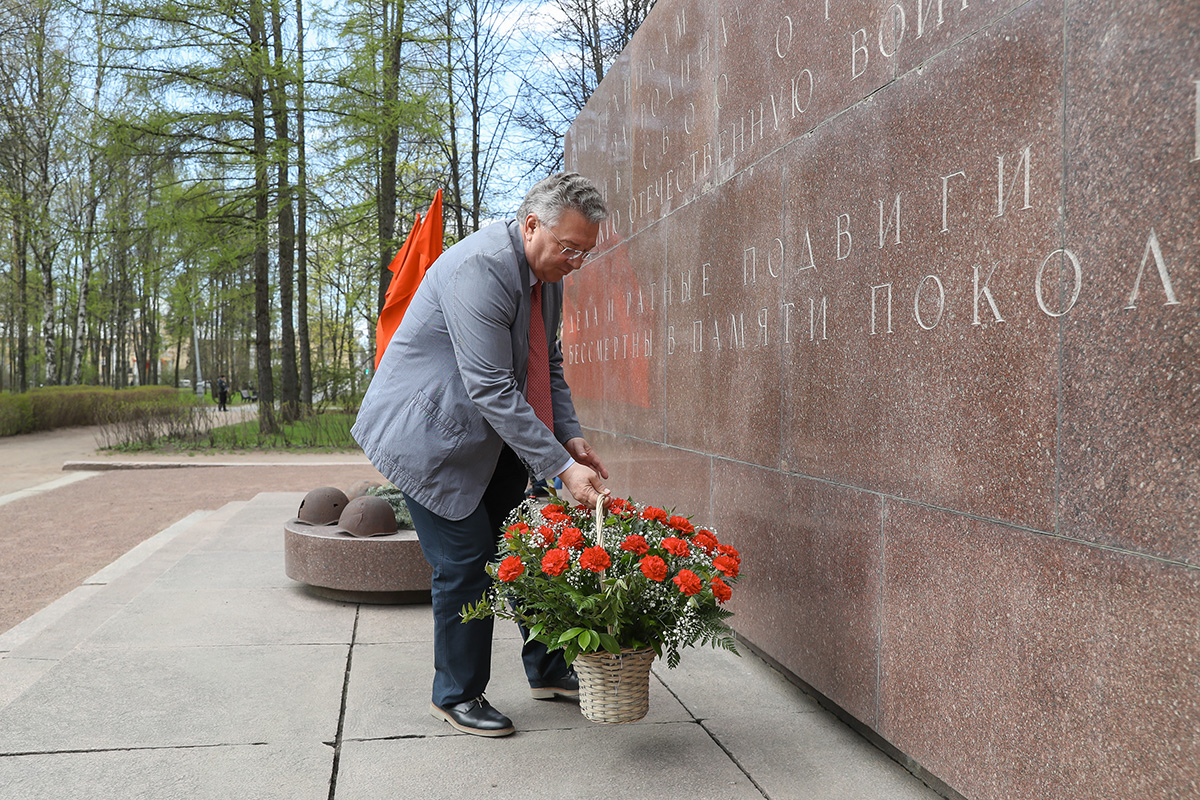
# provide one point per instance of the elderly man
(469, 400)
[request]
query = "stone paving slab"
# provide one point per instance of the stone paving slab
(644, 760)
(179, 697)
(257, 771)
(196, 670)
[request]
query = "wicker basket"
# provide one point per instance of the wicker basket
(614, 689)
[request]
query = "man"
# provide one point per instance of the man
(222, 392)
(450, 419)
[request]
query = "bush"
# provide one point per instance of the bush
(66, 406)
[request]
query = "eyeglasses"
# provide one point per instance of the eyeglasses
(570, 252)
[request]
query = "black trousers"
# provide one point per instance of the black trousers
(457, 550)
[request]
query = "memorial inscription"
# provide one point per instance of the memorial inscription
(909, 291)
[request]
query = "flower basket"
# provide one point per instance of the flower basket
(614, 688)
(612, 589)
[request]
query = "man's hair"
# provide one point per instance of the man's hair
(550, 196)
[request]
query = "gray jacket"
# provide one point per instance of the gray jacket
(450, 389)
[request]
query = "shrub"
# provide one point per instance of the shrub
(65, 406)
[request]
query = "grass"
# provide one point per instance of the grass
(318, 432)
(327, 432)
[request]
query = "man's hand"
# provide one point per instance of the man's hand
(582, 452)
(583, 483)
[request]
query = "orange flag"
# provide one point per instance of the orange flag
(420, 250)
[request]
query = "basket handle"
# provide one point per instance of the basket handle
(600, 521)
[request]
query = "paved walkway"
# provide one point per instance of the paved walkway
(192, 667)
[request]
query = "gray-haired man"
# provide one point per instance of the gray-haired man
(469, 394)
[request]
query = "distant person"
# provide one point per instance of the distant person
(469, 400)
(222, 392)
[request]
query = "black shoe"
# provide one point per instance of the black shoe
(566, 686)
(476, 717)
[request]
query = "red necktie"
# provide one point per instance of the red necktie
(537, 378)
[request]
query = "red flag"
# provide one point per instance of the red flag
(420, 250)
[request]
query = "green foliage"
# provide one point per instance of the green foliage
(66, 406)
(315, 432)
(395, 499)
(624, 587)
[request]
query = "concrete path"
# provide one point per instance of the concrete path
(58, 527)
(192, 667)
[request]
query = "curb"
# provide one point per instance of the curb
(107, 466)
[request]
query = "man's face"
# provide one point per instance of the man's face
(543, 245)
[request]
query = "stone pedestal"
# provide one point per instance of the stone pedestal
(373, 569)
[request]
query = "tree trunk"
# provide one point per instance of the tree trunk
(289, 383)
(393, 37)
(262, 277)
(306, 387)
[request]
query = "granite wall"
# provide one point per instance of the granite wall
(903, 296)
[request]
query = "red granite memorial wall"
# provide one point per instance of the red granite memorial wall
(903, 297)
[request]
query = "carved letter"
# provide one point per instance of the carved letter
(874, 291)
(812, 317)
(941, 302)
(1001, 196)
(760, 124)
(812, 262)
(855, 49)
(1078, 282)
(685, 286)
(787, 314)
(762, 328)
(1197, 156)
(782, 50)
(1163, 275)
(698, 336)
(883, 232)
(612, 314)
(798, 109)
(670, 340)
(704, 280)
(771, 262)
(946, 196)
(737, 330)
(922, 11)
(899, 24)
(844, 232)
(986, 292)
(749, 267)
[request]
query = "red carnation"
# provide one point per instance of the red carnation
(547, 534)
(595, 559)
(729, 550)
(704, 539)
(728, 565)
(653, 568)
(619, 507)
(635, 544)
(516, 529)
(654, 514)
(556, 561)
(570, 537)
(510, 569)
(675, 546)
(681, 524)
(688, 582)
(721, 590)
(549, 511)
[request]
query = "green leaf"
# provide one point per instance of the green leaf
(610, 643)
(570, 634)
